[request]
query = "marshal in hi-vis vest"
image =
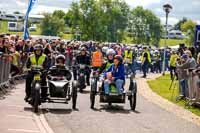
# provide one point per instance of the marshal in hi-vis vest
(40, 60)
(128, 56)
(148, 56)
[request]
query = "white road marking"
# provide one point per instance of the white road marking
(18, 106)
(20, 116)
(23, 130)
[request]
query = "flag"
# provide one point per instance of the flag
(197, 35)
(30, 6)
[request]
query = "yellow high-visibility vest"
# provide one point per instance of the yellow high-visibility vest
(173, 59)
(40, 60)
(15, 59)
(128, 56)
(148, 56)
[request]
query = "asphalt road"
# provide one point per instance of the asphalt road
(148, 118)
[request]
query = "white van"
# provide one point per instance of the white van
(15, 26)
(176, 34)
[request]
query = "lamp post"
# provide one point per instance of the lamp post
(167, 8)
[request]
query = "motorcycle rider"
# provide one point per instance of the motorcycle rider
(84, 58)
(115, 74)
(60, 69)
(97, 58)
(110, 53)
(39, 59)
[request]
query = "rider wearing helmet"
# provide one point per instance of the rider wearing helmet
(84, 58)
(39, 59)
(115, 74)
(60, 69)
(110, 53)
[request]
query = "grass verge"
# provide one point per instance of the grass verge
(161, 87)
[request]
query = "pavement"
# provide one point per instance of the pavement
(149, 117)
(17, 116)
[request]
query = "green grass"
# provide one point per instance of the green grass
(4, 29)
(161, 87)
(171, 42)
(68, 36)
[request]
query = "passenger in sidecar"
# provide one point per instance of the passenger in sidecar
(60, 70)
(115, 75)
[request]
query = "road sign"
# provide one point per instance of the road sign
(197, 35)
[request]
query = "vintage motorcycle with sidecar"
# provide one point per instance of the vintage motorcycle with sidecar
(58, 87)
(97, 88)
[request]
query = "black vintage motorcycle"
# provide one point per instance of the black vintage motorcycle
(60, 89)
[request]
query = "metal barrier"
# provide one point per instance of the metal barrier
(5, 65)
(193, 88)
(6, 81)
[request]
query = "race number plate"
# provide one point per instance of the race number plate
(37, 77)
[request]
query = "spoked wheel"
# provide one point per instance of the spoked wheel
(133, 101)
(92, 93)
(92, 100)
(74, 96)
(36, 101)
(82, 85)
(133, 96)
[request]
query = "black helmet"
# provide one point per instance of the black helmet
(119, 58)
(38, 47)
(62, 57)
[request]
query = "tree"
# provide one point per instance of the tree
(189, 28)
(52, 25)
(177, 26)
(144, 26)
(59, 13)
(104, 20)
(73, 16)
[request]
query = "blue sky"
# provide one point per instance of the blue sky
(181, 8)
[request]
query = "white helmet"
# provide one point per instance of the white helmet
(104, 49)
(110, 51)
(128, 48)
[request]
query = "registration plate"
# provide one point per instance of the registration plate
(37, 77)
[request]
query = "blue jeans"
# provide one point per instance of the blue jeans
(130, 69)
(145, 67)
(184, 87)
(119, 84)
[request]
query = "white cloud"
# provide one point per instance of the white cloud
(171, 20)
(20, 3)
(42, 9)
(144, 3)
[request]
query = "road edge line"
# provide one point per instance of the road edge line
(42, 123)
